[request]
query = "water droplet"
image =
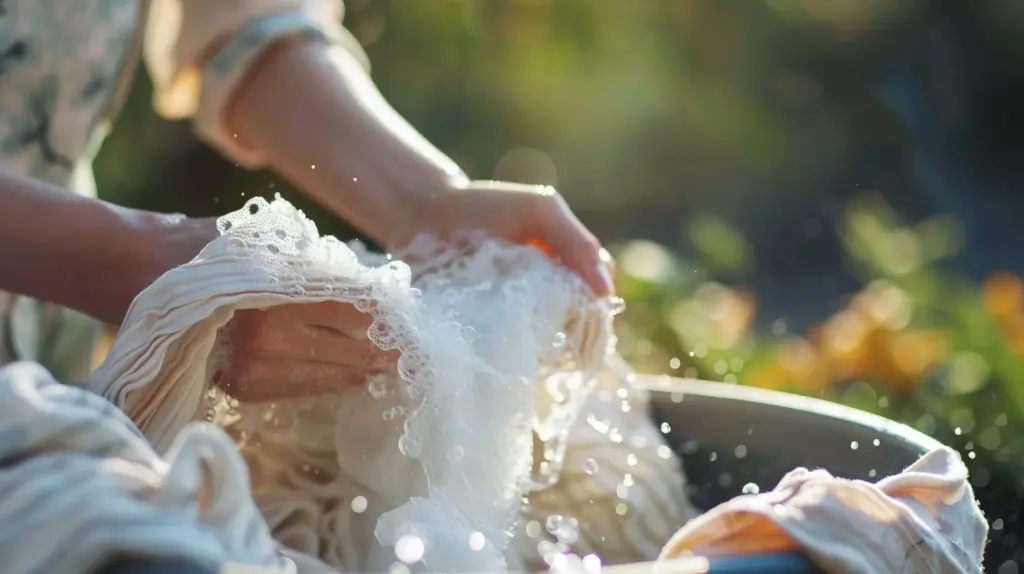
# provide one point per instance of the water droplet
(616, 306)
(622, 491)
(559, 340)
(359, 504)
(409, 549)
(751, 488)
(631, 459)
(477, 541)
(666, 428)
(590, 466)
(621, 509)
(876, 442)
(664, 452)
(854, 445)
(564, 528)
(592, 563)
(533, 529)
(741, 451)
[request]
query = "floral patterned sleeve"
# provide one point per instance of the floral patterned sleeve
(197, 52)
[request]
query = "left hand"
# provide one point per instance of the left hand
(523, 214)
(300, 350)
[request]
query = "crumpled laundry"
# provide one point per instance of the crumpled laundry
(79, 484)
(922, 520)
(502, 352)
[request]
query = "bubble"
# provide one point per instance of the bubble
(377, 386)
(631, 459)
(751, 488)
(559, 340)
(533, 529)
(664, 452)
(665, 428)
(590, 466)
(409, 549)
(564, 529)
(592, 563)
(854, 445)
(477, 541)
(359, 504)
(621, 509)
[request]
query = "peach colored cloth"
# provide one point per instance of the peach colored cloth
(922, 520)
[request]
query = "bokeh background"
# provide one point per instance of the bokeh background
(818, 196)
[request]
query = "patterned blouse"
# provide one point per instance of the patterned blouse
(64, 75)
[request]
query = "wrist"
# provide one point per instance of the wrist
(163, 242)
(417, 209)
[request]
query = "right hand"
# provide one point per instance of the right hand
(300, 350)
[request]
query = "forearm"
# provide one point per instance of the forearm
(324, 125)
(83, 253)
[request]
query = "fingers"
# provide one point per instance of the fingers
(577, 248)
(292, 333)
(300, 350)
(255, 380)
(337, 315)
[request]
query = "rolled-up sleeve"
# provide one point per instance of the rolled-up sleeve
(198, 51)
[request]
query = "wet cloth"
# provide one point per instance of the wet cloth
(79, 484)
(922, 520)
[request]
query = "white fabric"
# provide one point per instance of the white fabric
(922, 520)
(498, 348)
(79, 483)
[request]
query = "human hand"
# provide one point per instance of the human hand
(299, 350)
(524, 214)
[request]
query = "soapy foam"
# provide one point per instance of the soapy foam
(497, 348)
